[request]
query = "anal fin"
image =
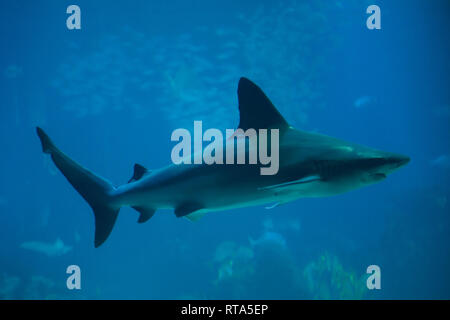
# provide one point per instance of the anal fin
(145, 213)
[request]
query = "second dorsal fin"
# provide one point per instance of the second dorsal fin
(139, 172)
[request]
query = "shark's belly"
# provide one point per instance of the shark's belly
(246, 198)
(229, 187)
(317, 189)
(216, 196)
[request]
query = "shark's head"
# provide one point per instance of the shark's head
(355, 169)
(356, 166)
(378, 165)
(330, 166)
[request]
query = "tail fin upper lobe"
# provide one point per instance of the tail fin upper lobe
(94, 189)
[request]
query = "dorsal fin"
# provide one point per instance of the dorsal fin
(256, 110)
(139, 172)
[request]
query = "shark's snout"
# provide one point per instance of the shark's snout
(391, 162)
(380, 167)
(399, 160)
(383, 164)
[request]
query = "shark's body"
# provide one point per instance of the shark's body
(310, 165)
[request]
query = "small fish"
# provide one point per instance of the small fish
(13, 72)
(58, 248)
(442, 161)
(363, 101)
(268, 238)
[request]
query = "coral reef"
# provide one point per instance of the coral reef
(327, 279)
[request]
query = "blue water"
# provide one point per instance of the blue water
(111, 93)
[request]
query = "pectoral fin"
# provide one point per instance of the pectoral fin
(304, 180)
(195, 216)
(187, 209)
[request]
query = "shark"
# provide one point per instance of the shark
(310, 165)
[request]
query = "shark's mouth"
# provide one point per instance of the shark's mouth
(378, 176)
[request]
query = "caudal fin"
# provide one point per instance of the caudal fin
(94, 189)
